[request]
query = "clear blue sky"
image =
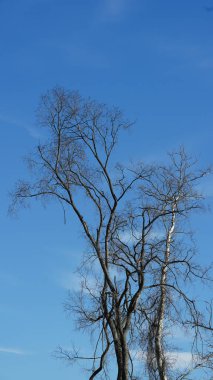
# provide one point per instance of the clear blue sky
(154, 59)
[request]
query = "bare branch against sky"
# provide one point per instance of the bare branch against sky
(129, 287)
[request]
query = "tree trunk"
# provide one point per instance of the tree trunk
(159, 350)
(122, 357)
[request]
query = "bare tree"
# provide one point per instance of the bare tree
(74, 163)
(129, 217)
(171, 193)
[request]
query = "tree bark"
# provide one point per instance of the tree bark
(159, 350)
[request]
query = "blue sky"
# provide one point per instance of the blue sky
(154, 59)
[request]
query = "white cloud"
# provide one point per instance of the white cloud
(156, 235)
(73, 282)
(12, 350)
(179, 360)
(180, 334)
(127, 237)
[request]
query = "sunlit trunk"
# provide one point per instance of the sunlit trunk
(159, 349)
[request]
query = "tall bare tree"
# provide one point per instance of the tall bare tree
(171, 193)
(129, 217)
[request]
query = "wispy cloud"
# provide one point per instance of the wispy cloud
(206, 63)
(74, 282)
(206, 188)
(70, 281)
(178, 360)
(189, 55)
(115, 9)
(180, 335)
(32, 131)
(14, 351)
(84, 56)
(127, 236)
(8, 279)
